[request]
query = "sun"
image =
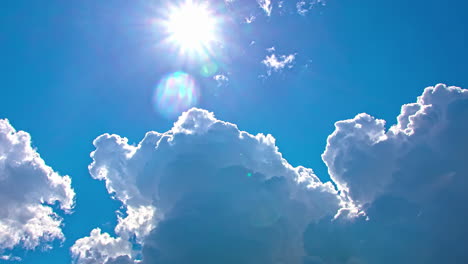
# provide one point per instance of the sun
(192, 28)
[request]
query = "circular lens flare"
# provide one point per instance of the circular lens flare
(192, 28)
(175, 93)
(208, 69)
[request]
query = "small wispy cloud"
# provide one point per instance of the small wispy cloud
(10, 258)
(266, 6)
(272, 49)
(277, 63)
(250, 19)
(280, 4)
(303, 7)
(301, 10)
(221, 79)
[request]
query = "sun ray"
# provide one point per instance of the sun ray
(192, 28)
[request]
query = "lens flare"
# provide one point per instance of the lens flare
(175, 93)
(208, 69)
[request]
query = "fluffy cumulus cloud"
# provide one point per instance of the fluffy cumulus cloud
(28, 189)
(277, 63)
(101, 248)
(410, 179)
(205, 192)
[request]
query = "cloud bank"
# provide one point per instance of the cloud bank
(206, 192)
(28, 189)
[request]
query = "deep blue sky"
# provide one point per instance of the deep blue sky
(72, 71)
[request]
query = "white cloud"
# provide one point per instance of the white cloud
(278, 63)
(250, 19)
(10, 258)
(202, 177)
(100, 248)
(138, 222)
(303, 7)
(361, 147)
(280, 4)
(221, 79)
(194, 193)
(300, 6)
(27, 189)
(411, 179)
(266, 6)
(272, 49)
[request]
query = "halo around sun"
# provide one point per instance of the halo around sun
(191, 28)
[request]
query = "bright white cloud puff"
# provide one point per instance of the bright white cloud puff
(28, 188)
(206, 192)
(101, 248)
(266, 6)
(274, 63)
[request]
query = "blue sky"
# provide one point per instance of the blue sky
(74, 71)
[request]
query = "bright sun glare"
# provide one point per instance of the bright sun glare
(191, 27)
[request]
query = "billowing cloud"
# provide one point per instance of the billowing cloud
(101, 248)
(411, 179)
(272, 62)
(206, 192)
(28, 189)
(432, 129)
